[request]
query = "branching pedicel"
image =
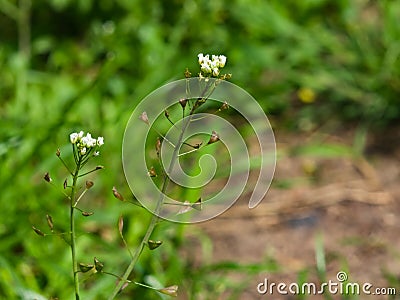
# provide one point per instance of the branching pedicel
(84, 147)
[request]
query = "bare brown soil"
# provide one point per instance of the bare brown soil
(351, 203)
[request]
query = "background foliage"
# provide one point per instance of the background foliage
(70, 65)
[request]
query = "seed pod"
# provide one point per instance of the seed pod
(89, 184)
(98, 265)
(50, 222)
(120, 224)
(158, 146)
(47, 177)
(117, 194)
(85, 267)
(153, 244)
(170, 291)
(87, 214)
(183, 102)
(224, 106)
(38, 231)
(197, 205)
(152, 172)
(144, 117)
(214, 138)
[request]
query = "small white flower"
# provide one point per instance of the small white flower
(80, 134)
(215, 72)
(88, 141)
(84, 142)
(201, 58)
(100, 141)
(73, 137)
(211, 67)
(83, 151)
(206, 68)
(91, 141)
(222, 61)
(96, 153)
(214, 64)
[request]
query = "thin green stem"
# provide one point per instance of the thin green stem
(80, 197)
(94, 170)
(72, 228)
(188, 152)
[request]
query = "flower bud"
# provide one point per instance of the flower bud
(65, 184)
(99, 168)
(187, 73)
(58, 153)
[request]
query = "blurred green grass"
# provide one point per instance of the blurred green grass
(85, 65)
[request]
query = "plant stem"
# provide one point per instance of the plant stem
(72, 228)
(160, 201)
(152, 224)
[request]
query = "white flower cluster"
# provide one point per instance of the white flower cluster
(211, 66)
(85, 142)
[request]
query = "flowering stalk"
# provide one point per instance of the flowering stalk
(209, 68)
(72, 229)
(82, 147)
